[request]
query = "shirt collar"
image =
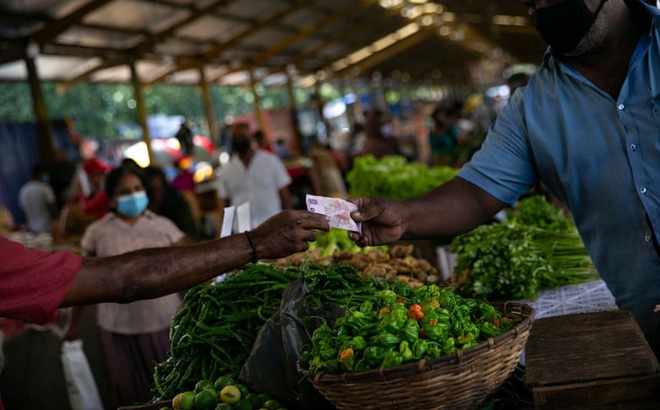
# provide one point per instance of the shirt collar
(146, 214)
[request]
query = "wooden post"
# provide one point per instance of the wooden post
(257, 101)
(294, 112)
(141, 109)
(214, 132)
(44, 126)
(358, 111)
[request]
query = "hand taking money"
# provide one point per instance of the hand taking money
(337, 210)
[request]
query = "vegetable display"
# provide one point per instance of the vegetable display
(216, 325)
(537, 211)
(400, 325)
(396, 263)
(394, 177)
(517, 258)
(225, 393)
(215, 328)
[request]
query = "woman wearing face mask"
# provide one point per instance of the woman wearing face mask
(133, 335)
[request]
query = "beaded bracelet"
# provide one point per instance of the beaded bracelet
(254, 248)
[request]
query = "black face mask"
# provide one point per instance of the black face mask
(241, 146)
(565, 24)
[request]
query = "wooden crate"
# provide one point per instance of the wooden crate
(598, 360)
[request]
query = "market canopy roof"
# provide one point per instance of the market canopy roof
(175, 41)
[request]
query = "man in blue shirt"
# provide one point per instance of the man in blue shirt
(588, 126)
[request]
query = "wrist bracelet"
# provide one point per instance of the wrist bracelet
(254, 248)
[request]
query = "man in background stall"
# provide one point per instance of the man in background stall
(38, 202)
(254, 176)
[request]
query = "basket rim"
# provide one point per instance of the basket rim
(516, 309)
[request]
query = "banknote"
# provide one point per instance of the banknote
(336, 209)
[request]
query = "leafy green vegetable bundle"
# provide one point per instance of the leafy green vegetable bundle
(394, 177)
(535, 248)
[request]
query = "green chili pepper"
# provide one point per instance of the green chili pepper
(488, 329)
(374, 355)
(433, 350)
(322, 332)
(305, 359)
(358, 343)
(331, 366)
(435, 332)
(354, 321)
(411, 330)
(392, 359)
(466, 338)
(328, 354)
(386, 296)
(366, 307)
(386, 339)
(419, 348)
(449, 345)
(348, 364)
(405, 351)
(394, 321)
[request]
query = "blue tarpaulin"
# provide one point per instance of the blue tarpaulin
(19, 153)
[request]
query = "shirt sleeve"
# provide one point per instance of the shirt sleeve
(33, 283)
(87, 242)
(170, 229)
(223, 187)
(282, 178)
(503, 166)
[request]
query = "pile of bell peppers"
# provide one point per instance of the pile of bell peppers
(401, 325)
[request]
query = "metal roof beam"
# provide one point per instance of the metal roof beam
(388, 52)
(50, 31)
(224, 45)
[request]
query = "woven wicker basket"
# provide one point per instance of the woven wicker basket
(462, 380)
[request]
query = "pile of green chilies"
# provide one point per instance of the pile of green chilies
(216, 326)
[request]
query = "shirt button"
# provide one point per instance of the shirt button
(621, 107)
(643, 190)
(647, 238)
(633, 147)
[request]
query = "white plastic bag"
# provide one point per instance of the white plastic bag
(83, 393)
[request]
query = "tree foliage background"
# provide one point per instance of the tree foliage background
(108, 111)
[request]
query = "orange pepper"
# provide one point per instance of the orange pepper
(416, 307)
(416, 314)
(346, 353)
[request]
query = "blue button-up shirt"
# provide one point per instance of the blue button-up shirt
(599, 156)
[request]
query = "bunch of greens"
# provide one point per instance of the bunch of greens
(537, 211)
(394, 177)
(512, 260)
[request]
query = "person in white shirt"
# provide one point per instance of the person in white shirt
(37, 199)
(254, 176)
